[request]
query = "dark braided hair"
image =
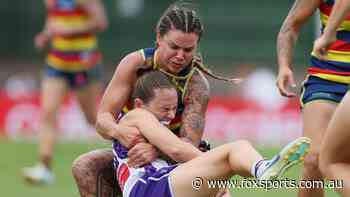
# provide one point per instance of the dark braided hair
(181, 17)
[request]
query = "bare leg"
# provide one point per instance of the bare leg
(237, 158)
(335, 153)
(219, 163)
(87, 98)
(316, 116)
(52, 94)
(94, 174)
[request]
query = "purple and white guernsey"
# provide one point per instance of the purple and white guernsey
(149, 180)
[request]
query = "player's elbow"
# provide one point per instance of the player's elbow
(176, 153)
(182, 152)
(100, 128)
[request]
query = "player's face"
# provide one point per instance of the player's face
(163, 105)
(175, 50)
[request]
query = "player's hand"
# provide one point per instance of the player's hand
(322, 44)
(41, 40)
(141, 154)
(285, 80)
(130, 136)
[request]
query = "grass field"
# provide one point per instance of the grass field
(15, 155)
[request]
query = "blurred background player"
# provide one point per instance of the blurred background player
(73, 62)
(325, 85)
(155, 100)
(334, 156)
(178, 33)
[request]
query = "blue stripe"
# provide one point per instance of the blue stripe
(330, 2)
(330, 65)
(344, 36)
(149, 52)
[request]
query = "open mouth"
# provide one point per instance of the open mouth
(165, 122)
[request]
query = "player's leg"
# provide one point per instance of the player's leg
(89, 93)
(335, 152)
(316, 116)
(318, 107)
(237, 158)
(94, 174)
(53, 90)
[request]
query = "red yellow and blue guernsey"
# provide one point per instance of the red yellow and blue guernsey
(336, 66)
(72, 53)
(328, 79)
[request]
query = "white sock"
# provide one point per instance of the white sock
(259, 167)
(253, 169)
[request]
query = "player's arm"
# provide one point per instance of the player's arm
(97, 20)
(115, 97)
(42, 38)
(289, 32)
(196, 102)
(161, 137)
(287, 38)
(97, 14)
(339, 11)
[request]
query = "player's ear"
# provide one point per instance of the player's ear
(138, 103)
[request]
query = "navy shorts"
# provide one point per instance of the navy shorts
(75, 80)
(154, 184)
(315, 88)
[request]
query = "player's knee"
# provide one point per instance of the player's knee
(324, 165)
(311, 163)
(240, 144)
(78, 167)
(48, 115)
(91, 119)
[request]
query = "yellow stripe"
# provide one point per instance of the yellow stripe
(303, 91)
(76, 44)
(143, 54)
(345, 25)
(335, 78)
(188, 80)
(64, 65)
(69, 19)
(336, 56)
(155, 65)
(175, 126)
(125, 109)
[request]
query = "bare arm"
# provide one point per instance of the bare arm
(97, 14)
(42, 38)
(289, 32)
(287, 38)
(340, 10)
(196, 103)
(115, 97)
(161, 137)
(97, 20)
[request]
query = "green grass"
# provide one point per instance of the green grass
(15, 155)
